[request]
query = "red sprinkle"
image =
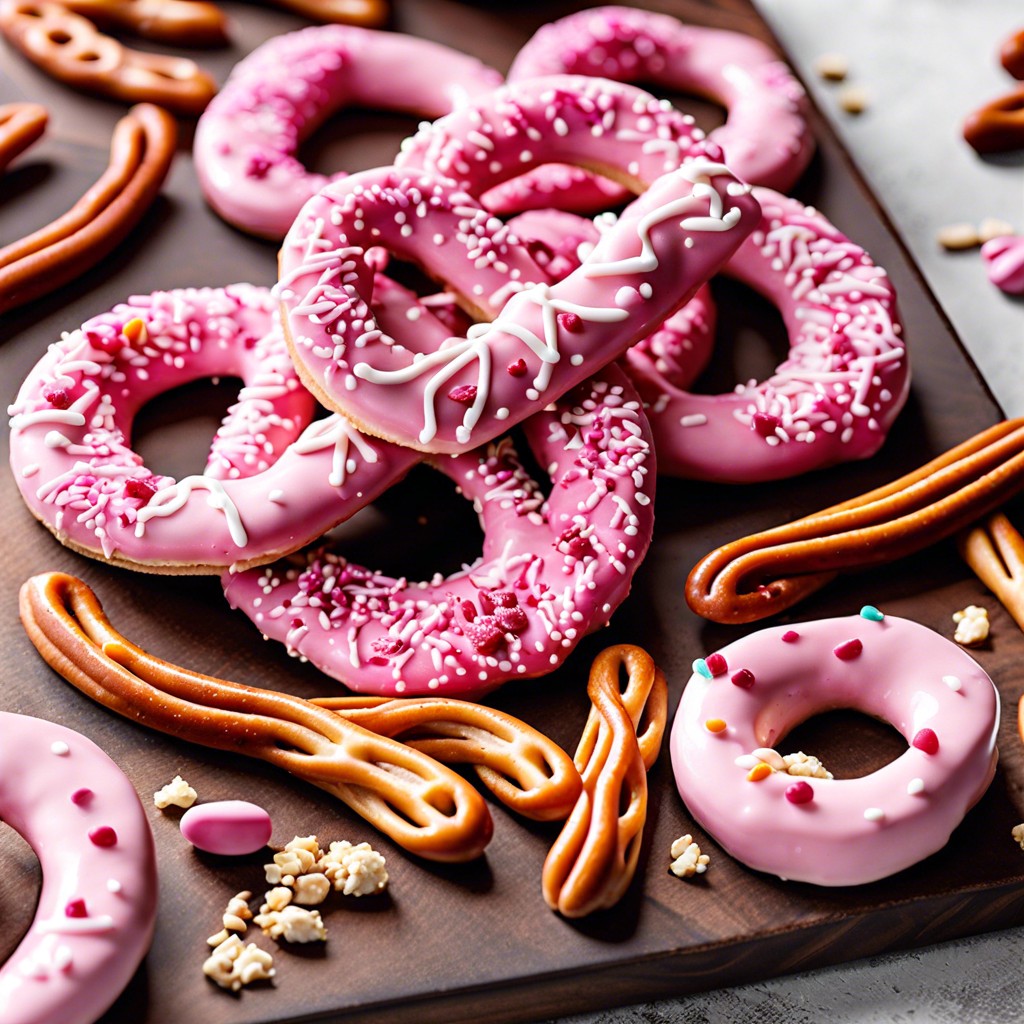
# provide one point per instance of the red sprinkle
(82, 796)
(927, 741)
(744, 679)
(570, 322)
(790, 636)
(142, 488)
(765, 424)
(848, 650)
(76, 908)
(800, 793)
(464, 394)
(103, 835)
(517, 369)
(716, 664)
(58, 397)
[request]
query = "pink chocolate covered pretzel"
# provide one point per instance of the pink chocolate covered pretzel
(248, 138)
(765, 137)
(1004, 263)
(545, 338)
(551, 570)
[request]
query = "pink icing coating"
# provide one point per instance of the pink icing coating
(229, 828)
(247, 139)
(1004, 260)
(268, 489)
(97, 905)
(550, 572)
(765, 137)
(661, 249)
(849, 831)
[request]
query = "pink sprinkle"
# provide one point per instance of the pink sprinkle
(848, 650)
(58, 397)
(790, 636)
(800, 793)
(570, 322)
(765, 424)
(464, 394)
(927, 741)
(76, 908)
(82, 796)
(517, 369)
(744, 679)
(716, 664)
(103, 835)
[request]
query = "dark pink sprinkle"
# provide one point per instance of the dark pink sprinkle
(790, 636)
(82, 796)
(464, 394)
(927, 741)
(58, 397)
(716, 664)
(387, 646)
(76, 908)
(142, 488)
(103, 835)
(517, 369)
(765, 424)
(848, 650)
(744, 679)
(570, 322)
(800, 793)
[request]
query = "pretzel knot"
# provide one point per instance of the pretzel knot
(423, 806)
(594, 858)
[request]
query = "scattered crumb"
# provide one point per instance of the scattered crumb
(806, 766)
(833, 67)
(311, 889)
(993, 227)
(355, 870)
(1018, 834)
(687, 860)
(972, 626)
(956, 237)
(232, 965)
(235, 917)
(853, 99)
(293, 924)
(177, 793)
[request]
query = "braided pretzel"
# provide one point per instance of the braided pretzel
(423, 806)
(994, 549)
(594, 857)
(141, 151)
(69, 48)
(766, 573)
(524, 769)
(177, 22)
(20, 125)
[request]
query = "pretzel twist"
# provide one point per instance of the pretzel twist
(766, 573)
(594, 858)
(994, 549)
(423, 806)
(177, 22)
(69, 48)
(141, 152)
(997, 126)
(367, 13)
(20, 125)
(522, 767)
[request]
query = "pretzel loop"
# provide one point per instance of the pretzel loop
(20, 125)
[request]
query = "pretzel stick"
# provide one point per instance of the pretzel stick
(594, 857)
(524, 769)
(177, 22)
(766, 573)
(69, 48)
(20, 125)
(995, 551)
(141, 151)
(423, 806)
(368, 13)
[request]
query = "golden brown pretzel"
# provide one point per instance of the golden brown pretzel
(766, 573)
(177, 22)
(423, 806)
(524, 769)
(1011, 54)
(368, 13)
(20, 125)
(998, 126)
(141, 151)
(69, 47)
(594, 858)
(995, 551)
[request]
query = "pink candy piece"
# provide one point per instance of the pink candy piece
(230, 828)
(247, 139)
(1004, 259)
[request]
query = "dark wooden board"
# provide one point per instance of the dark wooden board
(476, 942)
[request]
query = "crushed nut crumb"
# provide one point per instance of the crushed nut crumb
(276, 899)
(687, 859)
(972, 626)
(312, 888)
(853, 99)
(297, 857)
(232, 965)
(354, 870)
(293, 924)
(177, 793)
(805, 765)
(234, 919)
(833, 67)
(1018, 834)
(956, 237)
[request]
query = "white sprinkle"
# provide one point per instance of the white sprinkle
(953, 683)
(874, 814)
(915, 786)
(60, 748)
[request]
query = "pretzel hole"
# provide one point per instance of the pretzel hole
(88, 56)
(58, 36)
(30, 12)
(849, 743)
(356, 139)
(20, 880)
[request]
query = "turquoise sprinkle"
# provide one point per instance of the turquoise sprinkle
(869, 611)
(700, 666)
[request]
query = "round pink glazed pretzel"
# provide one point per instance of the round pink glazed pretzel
(544, 339)
(551, 571)
(248, 138)
(97, 906)
(765, 137)
(269, 486)
(742, 701)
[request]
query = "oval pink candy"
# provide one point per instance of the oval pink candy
(227, 827)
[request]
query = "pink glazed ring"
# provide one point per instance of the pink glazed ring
(765, 137)
(551, 571)
(248, 137)
(742, 701)
(97, 906)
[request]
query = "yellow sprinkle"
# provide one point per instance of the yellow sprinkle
(715, 725)
(134, 331)
(759, 772)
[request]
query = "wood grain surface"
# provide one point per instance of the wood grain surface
(475, 942)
